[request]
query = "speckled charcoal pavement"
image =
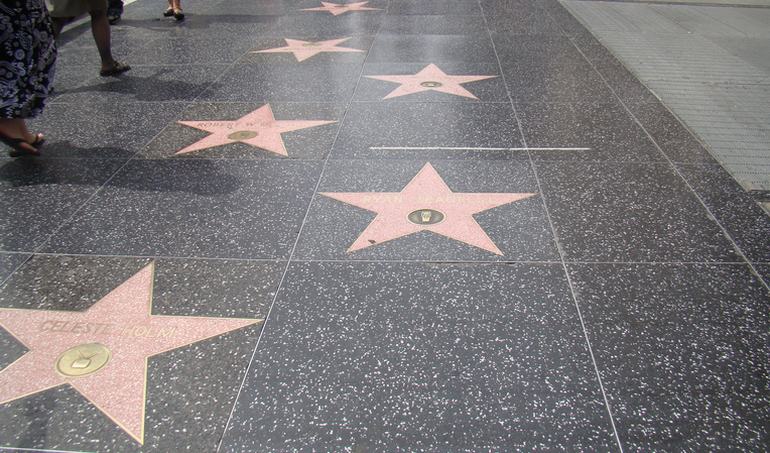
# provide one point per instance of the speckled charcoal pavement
(383, 226)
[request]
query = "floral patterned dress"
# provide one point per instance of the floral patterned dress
(27, 57)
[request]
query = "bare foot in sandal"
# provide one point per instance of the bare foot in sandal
(14, 133)
(116, 69)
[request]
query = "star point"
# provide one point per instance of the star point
(425, 204)
(430, 78)
(259, 129)
(302, 50)
(102, 352)
(341, 8)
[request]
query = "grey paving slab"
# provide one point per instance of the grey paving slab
(724, 21)
(680, 349)
(405, 357)
(707, 64)
(401, 124)
(519, 229)
(262, 8)
(673, 138)
(316, 82)
(61, 418)
(199, 24)
(390, 48)
(764, 272)
(38, 195)
(9, 262)
(548, 69)
(87, 57)
(623, 17)
(555, 52)
(606, 129)
(567, 22)
(326, 26)
(434, 25)
(623, 82)
(434, 7)
(145, 84)
(746, 223)
(193, 50)
(194, 208)
(128, 34)
(752, 50)
(95, 130)
(629, 212)
(519, 18)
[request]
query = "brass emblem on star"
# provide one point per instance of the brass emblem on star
(426, 217)
(430, 84)
(83, 359)
(242, 135)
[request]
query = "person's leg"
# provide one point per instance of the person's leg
(100, 28)
(176, 5)
(16, 128)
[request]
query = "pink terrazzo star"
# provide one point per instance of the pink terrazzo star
(303, 50)
(123, 324)
(431, 78)
(337, 8)
(426, 204)
(259, 129)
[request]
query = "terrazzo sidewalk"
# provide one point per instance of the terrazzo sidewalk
(393, 225)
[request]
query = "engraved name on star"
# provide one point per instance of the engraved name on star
(102, 352)
(337, 8)
(425, 204)
(303, 50)
(259, 129)
(431, 78)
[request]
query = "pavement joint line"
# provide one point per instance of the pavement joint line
(480, 148)
(559, 248)
(390, 261)
(296, 242)
(39, 450)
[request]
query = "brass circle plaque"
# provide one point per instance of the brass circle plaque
(426, 217)
(83, 359)
(431, 84)
(242, 135)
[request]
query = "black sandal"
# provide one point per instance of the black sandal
(17, 148)
(178, 15)
(168, 13)
(113, 15)
(115, 70)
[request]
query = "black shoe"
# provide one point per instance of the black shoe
(113, 15)
(168, 13)
(178, 15)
